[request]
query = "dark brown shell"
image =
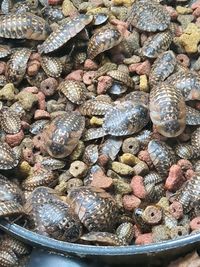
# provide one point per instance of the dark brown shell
(62, 135)
(103, 239)
(184, 151)
(8, 259)
(93, 133)
(16, 66)
(122, 77)
(64, 33)
(162, 156)
(9, 121)
(96, 208)
(192, 116)
(195, 142)
(15, 245)
(149, 16)
(52, 66)
(167, 110)
(8, 159)
(23, 26)
(104, 39)
(75, 91)
(95, 107)
(51, 216)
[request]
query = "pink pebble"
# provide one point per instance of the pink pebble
(90, 65)
(2, 67)
(172, 12)
(196, 12)
(196, 4)
(28, 155)
(76, 75)
(183, 60)
(130, 202)
(137, 230)
(189, 174)
(137, 185)
(88, 77)
(195, 223)
(41, 114)
(142, 68)
(104, 83)
(185, 164)
(14, 139)
(119, 22)
(103, 159)
(38, 142)
(133, 67)
(175, 178)
(176, 209)
(25, 125)
(33, 89)
(144, 239)
(143, 155)
(101, 180)
(41, 101)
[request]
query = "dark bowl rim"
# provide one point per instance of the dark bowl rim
(38, 240)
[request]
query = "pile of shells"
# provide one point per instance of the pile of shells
(100, 119)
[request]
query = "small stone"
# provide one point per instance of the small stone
(48, 86)
(26, 99)
(183, 10)
(121, 168)
(104, 83)
(144, 83)
(175, 178)
(76, 75)
(121, 187)
(185, 164)
(143, 155)
(195, 223)
(144, 239)
(95, 121)
(130, 202)
(7, 92)
(131, 145)
(41, 100)
(138, 187)
(178, 231)
(152, 215)
(129, 159)
(144, 68)
(183, 60)
(90, 65)
(14, 139)
(24, 168)
(88, 77)
(78, 168)
(189, 174)
(160, 233)
(101, 180)
(185, 20)
(41, 114)
(176, 210)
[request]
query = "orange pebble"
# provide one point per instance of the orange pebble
(130, 202)
(175, 178)
(144, 239)
(14, 139)
(138, 187)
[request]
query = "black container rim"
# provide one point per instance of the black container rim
(38, 240)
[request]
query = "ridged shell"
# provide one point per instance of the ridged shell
(104, 69)
(93, 133)
(157, 44)
(52, 164)
(121, 77)
(96, 208)
(184, 151)
(52, 66)
(103, 239)
(53, 216)
(23, 26)
(16, 66)
(7, 158)
(95, 107)
(103, 40)
(167, 110)
(149, 16)
(64, 33)
(6, 5)
(111, 147)
(17, 246)
(9, 121)
(162, 156)
(5, 51)
(152, 178)
(63, 134)
(162, 67)
(8, 259)
(75, 91)
(192, 116)
(195, 142)
(38, 126)
(53, 14)
(91, 154)
(188, 83)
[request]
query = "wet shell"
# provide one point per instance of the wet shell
(96, 208)
(125, 119)
(23, 26)
(192, 116)
(7, 157)
(195, 142)
(93, 133)
(111, 147)
(149, 16)
(52, 13)
(52, 164)
(9, 121)
(91, 154)
(103, 239)
(167, 110)
(184, 151)
(52, 66)
(162, 156)
(64, 33)
(157, 44)
(37, 178)
(38, 126)
(16, 66)
(188, 83)
(53, 217)
(25, 6)
(138, 97)
(122, 77)
(63, 134)
(6, 5)
(152, 178)
(5, 51)
(144, 137)
(94, 107)
(17, 246)
(104, 69)
(3, 81)
(103, 40)
(162, 67)
(75, 91)
(8, 259)
(189, 194)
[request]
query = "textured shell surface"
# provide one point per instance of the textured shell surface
(16, 66)
(96, 208)
(104, 39)
(167, 110)
(138, 97)
(100, 18)
(36, 79)
(111, 147)
(25, 6)
(188, 83)
(125, 119)
(52, 164)
(52, 216)
(91, 154)
(152, 178)
(184, 151)
(17, 246)
(9, 121)
(94, 133)
(157, 44)
(162, 67)
(162, 156)
(23, 26)
(93, 107)
(7, 157)
(53, 14)
(52, 66)
(195, 142)
(62, 135)
(38, 126)
(104, 69)
(75, 91)
(144, 137)
(5, 51)
(149, 16)
(3, 80)
(8, 258)
(6, 5)
(192, 116)
(64, 33)
(104, 239)
(121, 77)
